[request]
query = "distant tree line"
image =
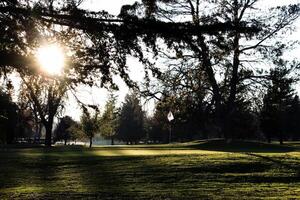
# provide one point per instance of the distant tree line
(273, 115)
(124, 124)
(277, 118)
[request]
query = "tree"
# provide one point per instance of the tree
(131, 121)
(277, 101)
(159, 126)
(23, 35)
(184, 90)
(45, 97)
(65, 129)
(293, 122)
(90, 124)
(8, 118)
(76, 132)
(225, 57)
(109, 119)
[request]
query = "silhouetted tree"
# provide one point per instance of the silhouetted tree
(90, 124)
(45, 96)
(76, 132)
(245, 122)
(293, 119)
(64, 130)
(8, 118)
(131, 120)
(276, 104)
(183, 89)
(159, 125)
(109, 119)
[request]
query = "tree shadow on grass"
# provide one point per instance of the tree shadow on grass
(34, 173)
(31, 175)
(279, 162)
(224, 168)
(81, 175)
(249, 171)
(241, 147)
(8, 171)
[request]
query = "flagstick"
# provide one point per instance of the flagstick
(170, 117)
(170, 132)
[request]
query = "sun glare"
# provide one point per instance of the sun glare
(51, 59)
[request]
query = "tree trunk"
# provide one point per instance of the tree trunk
(48, 141)
(112, 140)
(281, 139)
(204, 55)
(231, 105)
(91, 142)
(36, 136)
(65, 142)
(40, 132)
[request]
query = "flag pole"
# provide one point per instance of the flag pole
(170, 132)
(170, 118)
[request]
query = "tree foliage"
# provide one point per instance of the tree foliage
(109, 118)
(9, 118)
(293, 122)
(277, 104)
(66, 129)
(90, 124)
(131, 120)
(45, 98)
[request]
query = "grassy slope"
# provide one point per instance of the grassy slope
(201, 170)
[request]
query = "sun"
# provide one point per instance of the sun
(51, 59)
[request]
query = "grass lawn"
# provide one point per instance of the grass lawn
(199, 170)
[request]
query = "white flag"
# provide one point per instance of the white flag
(170, 116)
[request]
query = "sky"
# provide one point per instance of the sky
(98, 96)
(112, 6)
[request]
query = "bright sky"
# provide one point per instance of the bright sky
(98, 96)
(112, 6)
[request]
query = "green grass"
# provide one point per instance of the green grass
(198, 170)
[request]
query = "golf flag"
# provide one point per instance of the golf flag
(170, 116)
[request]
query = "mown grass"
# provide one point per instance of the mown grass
(199, 170)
